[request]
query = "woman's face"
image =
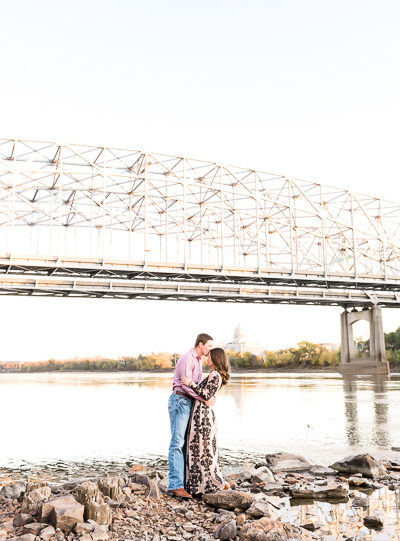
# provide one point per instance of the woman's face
(209, 361)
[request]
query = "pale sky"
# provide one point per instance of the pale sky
(306, 89)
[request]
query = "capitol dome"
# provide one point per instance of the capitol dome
(239, 334)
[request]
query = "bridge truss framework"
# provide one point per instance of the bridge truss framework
(100, 222)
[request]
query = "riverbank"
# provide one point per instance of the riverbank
(278, 498)
(307, 369)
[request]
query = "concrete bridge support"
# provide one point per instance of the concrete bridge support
(374, 364)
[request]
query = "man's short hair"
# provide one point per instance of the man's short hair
(202, 338)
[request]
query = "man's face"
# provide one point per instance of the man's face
(205, 348)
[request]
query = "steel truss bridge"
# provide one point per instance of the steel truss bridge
(88, 221)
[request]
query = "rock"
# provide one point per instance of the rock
(61, 502)
(261, 508)
(331, 492)
(26, 537)
(99, 512)
(34, 527)
(229, 499)
(141, 479)
(110, 487)
(373, 523)
(99, 533)
(163, 484)
(47, 532)
(84, 527)
(66, 518)
(89, 492)
(239, 474)
(8, 526)
(287, 462)
(272, 488)
(310, 526)
(155, 491)
(360, 482)
(35, 495)
(364, 464)
(21, 519)
(270, 530)
(14, 490)
(360, 502)
(226, 531)
(262, 475)
(85, 537)
(189, 527)
(63, 512)
(321, 471)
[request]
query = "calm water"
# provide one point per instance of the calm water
(83, 423)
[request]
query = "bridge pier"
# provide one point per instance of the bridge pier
(376, 363)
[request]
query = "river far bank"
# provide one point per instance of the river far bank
(282, 497)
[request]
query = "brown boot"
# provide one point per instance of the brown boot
(180, 493)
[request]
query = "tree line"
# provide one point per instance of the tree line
(304, 355)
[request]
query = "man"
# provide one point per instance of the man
(179, 408)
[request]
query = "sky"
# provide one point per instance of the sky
(306, 89)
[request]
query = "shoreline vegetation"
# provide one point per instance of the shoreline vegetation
(306, 356)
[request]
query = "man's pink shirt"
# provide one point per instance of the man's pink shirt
(189, 365)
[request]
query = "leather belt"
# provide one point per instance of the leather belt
(183, 394)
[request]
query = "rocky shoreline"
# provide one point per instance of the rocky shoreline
(268, 501)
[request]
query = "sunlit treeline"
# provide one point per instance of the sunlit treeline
(304, 355)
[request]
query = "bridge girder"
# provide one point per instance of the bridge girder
(72, 208)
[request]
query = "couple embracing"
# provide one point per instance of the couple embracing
(194, 467)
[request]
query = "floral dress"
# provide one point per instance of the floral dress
(203, 470)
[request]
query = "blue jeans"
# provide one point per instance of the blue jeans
(179, 409)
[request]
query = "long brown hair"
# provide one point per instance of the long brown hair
(221, 364)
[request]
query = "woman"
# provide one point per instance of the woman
(203, 471)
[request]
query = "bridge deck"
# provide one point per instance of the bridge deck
(73, 277)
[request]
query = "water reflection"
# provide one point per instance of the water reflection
(366, 392)
(345, 520)
(89, 419)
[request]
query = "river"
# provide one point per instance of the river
(77, 424)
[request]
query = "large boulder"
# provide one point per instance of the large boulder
(89, 492)
(229, 499)
(91, 497)
(287, 462)
(35, 495)
(63, 512)
(330, 492)
(99, 512)
(364, 464)
(110, 486)
(270, 530)
(14, 490)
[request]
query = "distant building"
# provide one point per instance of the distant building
(241, 345)
(330, 346)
